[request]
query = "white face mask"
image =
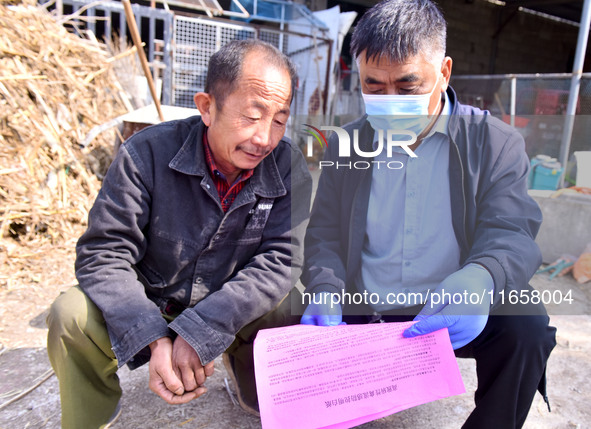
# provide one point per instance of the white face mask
(399, 112)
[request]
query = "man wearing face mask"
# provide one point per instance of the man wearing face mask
(440, 238)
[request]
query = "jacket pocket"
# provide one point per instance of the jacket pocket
(167, 261)
(148, 276)
(259, 214)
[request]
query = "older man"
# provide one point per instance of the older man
(192, 237)
(437, 225)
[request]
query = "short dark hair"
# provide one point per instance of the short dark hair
(225, 67)
(400, 29)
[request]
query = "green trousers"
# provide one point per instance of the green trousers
(80, 353)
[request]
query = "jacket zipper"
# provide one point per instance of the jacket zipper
(351, 223)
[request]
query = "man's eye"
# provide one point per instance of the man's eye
(373, 90)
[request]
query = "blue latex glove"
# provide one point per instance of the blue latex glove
(464, 320)
(325, 313)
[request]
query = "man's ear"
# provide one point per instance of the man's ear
(204, 103)
(446, 72)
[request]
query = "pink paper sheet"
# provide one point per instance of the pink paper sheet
(343, 376)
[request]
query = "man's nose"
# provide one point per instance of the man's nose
(262, 135)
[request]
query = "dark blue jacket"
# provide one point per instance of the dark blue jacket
(494, 219)
(157, 234)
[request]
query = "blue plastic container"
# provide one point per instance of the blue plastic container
(546, 175)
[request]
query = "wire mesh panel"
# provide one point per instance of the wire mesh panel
(275, 38)
(196, 41)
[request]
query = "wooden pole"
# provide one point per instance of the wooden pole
(137, 41)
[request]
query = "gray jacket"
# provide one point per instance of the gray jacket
(157, 235)
(494, 219)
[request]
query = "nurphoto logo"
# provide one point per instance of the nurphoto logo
(391, 141)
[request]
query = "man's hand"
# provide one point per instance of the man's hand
(326, 313)
(187, 365)
(464, 320)
(163, 379)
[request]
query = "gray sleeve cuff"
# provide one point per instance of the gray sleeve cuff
(138, 337)
(206, 341)
(496, 271)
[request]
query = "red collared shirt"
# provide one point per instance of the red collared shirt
(226, 192)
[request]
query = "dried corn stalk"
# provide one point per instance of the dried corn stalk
(54, 88)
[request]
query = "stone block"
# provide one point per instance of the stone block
(566, 227)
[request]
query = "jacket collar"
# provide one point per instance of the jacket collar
(190, 159)
(459, 113)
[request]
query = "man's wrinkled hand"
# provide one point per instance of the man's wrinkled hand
(325, 313)
(163, 379)
(464, 319)
(187, 365)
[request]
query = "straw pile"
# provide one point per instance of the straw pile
(54, 88)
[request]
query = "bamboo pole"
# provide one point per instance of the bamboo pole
(135, 35)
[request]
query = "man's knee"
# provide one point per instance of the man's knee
(279, 316)
(526, 333)
(71, 313)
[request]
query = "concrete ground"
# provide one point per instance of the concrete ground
(569, 370)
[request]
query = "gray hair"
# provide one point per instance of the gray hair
(399, 29)
(225, 67)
